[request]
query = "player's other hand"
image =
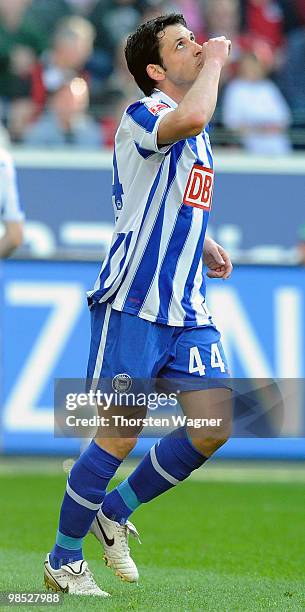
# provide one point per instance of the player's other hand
(217, 48)
(216, 259)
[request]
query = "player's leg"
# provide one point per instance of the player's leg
(114, 338)
(90, 475)
(149, 346)
(178, 454)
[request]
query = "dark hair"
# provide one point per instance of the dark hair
(143, 48)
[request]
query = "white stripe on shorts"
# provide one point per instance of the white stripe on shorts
(101, 349)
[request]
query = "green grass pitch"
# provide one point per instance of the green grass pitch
(210, 544)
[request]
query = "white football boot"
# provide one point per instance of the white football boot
(73, 578)
(114, 539)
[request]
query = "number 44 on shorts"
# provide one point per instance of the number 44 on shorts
(196, 365)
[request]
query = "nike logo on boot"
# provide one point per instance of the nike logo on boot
(107, 540)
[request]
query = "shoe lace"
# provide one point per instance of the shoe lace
(123, 532)
(132, 531)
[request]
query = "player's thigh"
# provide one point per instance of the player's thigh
(197, 355)
(202, 374)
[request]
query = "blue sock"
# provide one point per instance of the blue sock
(169, 462)
(86, 488)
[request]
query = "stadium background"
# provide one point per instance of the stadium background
(258, 215)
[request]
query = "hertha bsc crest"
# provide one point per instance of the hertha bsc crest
(121, 383)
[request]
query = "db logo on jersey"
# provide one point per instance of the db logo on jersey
(199, 189)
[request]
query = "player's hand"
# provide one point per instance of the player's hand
(217, 48)
(216, 259)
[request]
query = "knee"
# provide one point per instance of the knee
(125, 444)
(208, 446)
(119, 447)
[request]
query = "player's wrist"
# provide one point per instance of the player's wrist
(207, 242)
(215, 62)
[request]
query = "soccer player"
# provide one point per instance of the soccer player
(149, 316)
(10, 211)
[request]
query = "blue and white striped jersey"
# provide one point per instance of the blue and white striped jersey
(161, 199)
(10, 209)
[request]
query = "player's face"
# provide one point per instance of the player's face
(181, 55)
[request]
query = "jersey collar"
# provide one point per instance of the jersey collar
(157, 93)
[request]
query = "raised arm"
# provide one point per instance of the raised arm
(198, 104)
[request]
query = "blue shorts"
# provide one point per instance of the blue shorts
(124, 344)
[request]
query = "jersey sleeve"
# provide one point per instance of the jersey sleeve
(144, 118)
(10, 208)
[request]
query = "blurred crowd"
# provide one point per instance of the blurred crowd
(63, 79)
